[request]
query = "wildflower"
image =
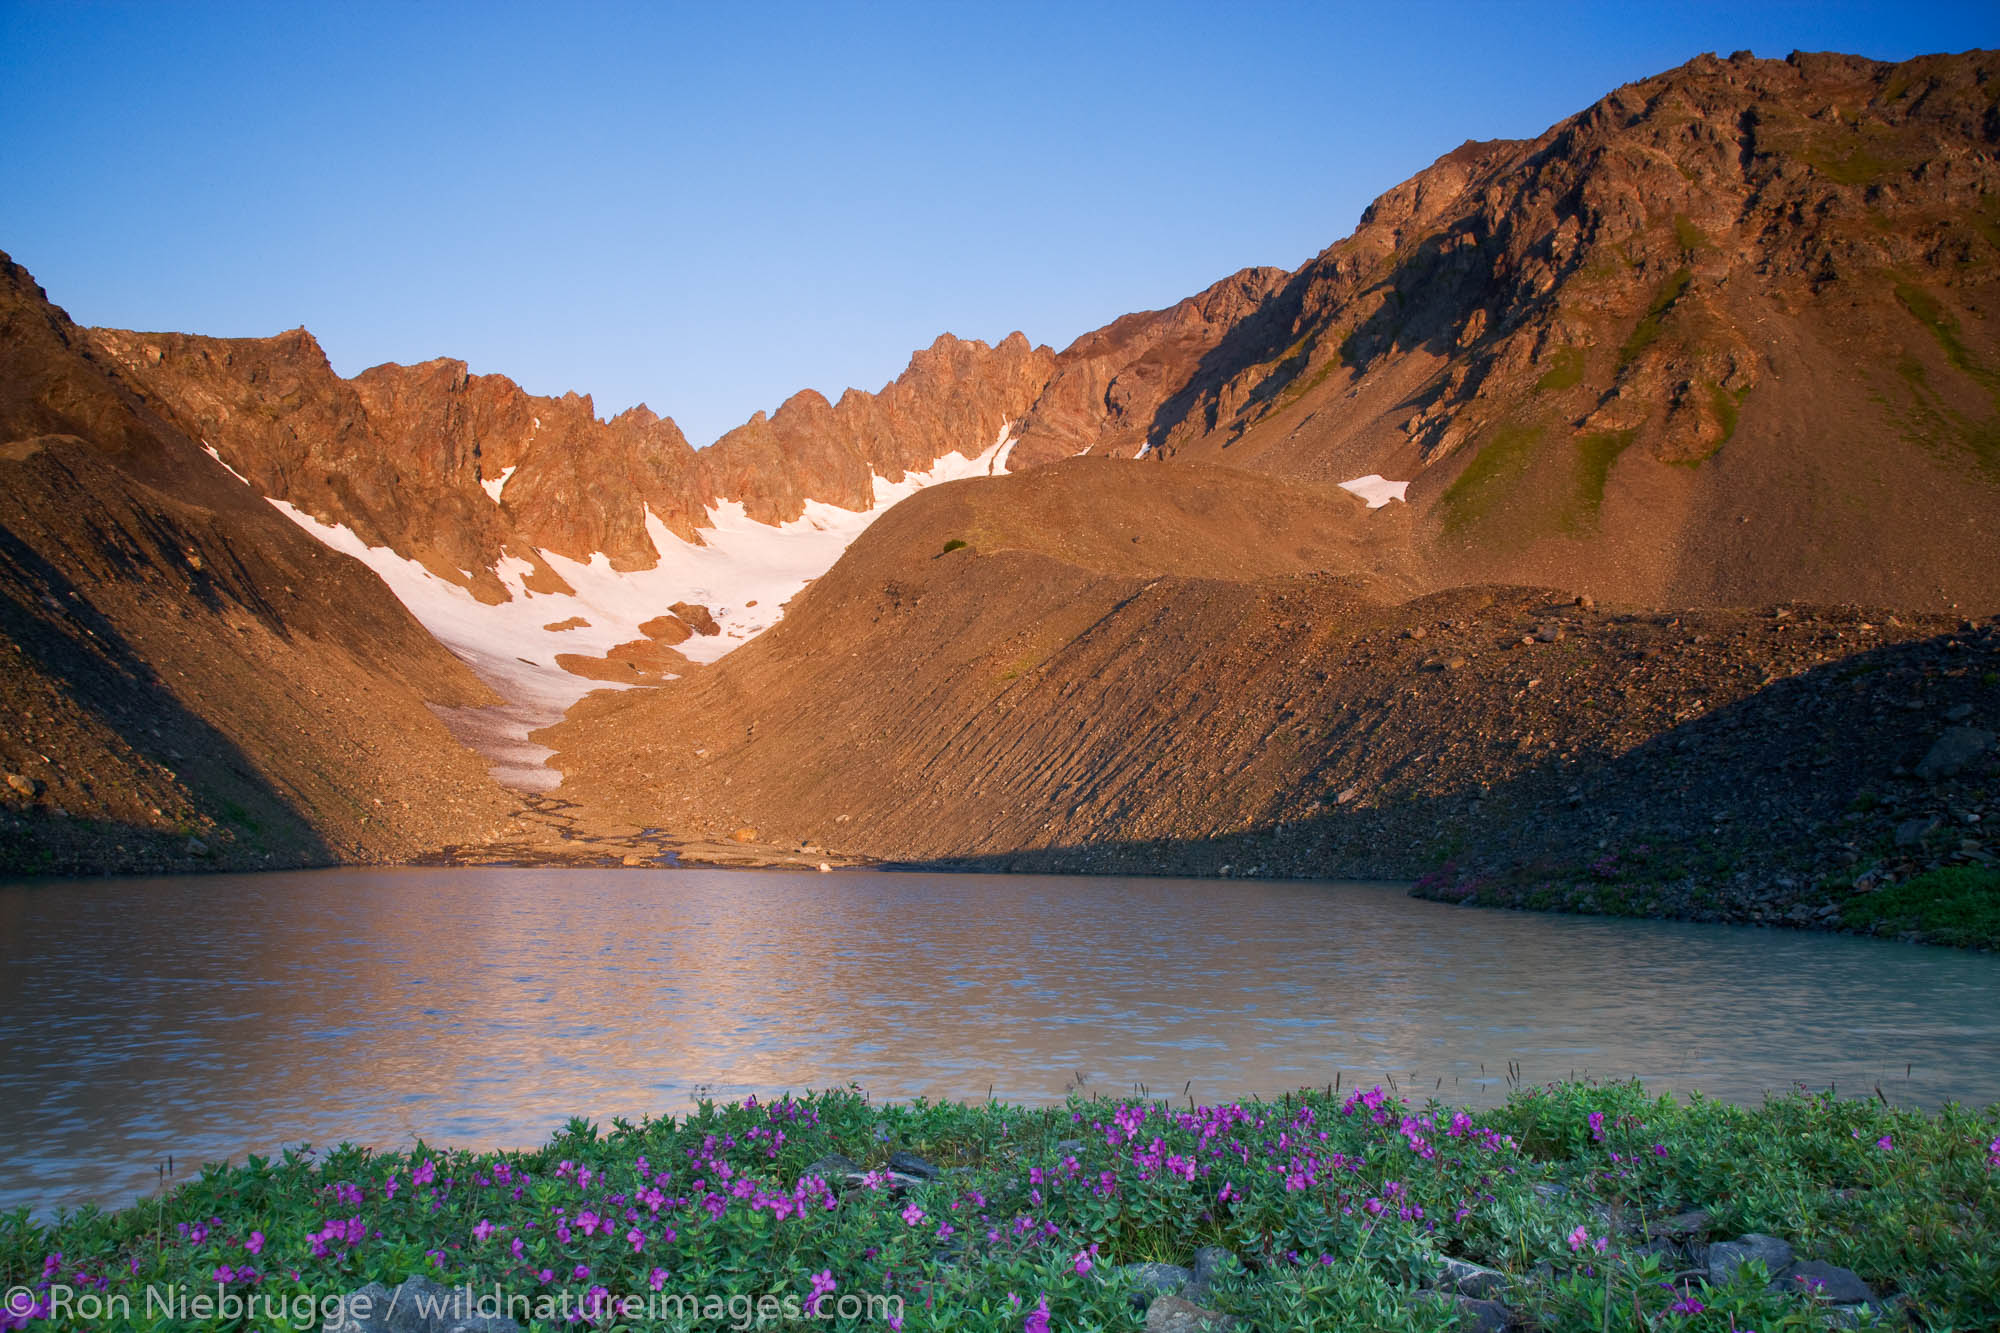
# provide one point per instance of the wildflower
(1687, 1305)
(912, 1215)
(1597, 1126)
(657, 1278)
(1038, 1318)
(1885, 1143)
(637, 1240)
(256, 1243)
(482, 1231)
(424, 1174)
(822, 1287)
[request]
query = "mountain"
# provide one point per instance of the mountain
(1570, 484)
(1726, 336)
(1603, 398)
(192, 681)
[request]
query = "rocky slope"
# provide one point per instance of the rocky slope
(192, 681)
(1725, 336)
(1146, 694)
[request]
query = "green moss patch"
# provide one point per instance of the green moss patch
(1647, 331)
(1504, 453)
(1956, 905)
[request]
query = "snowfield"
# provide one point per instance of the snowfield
(742, 571)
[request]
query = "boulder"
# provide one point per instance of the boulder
(419, 1306)
(1151, 1280)
(1212, 1263)
(1728, 1256)
(1952, 751)
(1474, 1316)
(909, 1164)
(1469, 1279)
(1815, 1277)
(1171, 1314)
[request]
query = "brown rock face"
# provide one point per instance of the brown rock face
(695, 617)
(954, 398)
(1722, 337)
(186, 667)
(1110, 385)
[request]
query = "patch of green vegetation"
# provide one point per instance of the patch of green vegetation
(1936, 421)
(241, 817)
(1857, 166)
(1502, 457)
(1647, 331)
(955, 544)
(1942, 325)
(1728, 407)
(1595, 453)
(1689, 237)
(1335, 1206)
(1565, 371)
(1956, 905)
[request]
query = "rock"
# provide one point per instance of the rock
(1952, 751)
(1694, 1222)
(1815, 1277)
(833, 1168)
(1071, 1147)
(909, 1164)
(196, 847)
(1154, 1279)
(1454, 664)
(1171, 1314)
(1469, 1279)
(27, 786)
(1551, 1191)
(1728, 1256)
(748, 833)
(1912, 831)
(1958, 713)
(1418, 632)
(1585, 602)
(420, 1306)
(1211, 1264)
(1549, 633)
(696, 617)
(1474, 1316)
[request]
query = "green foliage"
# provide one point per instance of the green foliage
(1647, 331)
(1565, 371)
(1503, 456)
(1595, 453)
(1956, 905)
(1337, 1207)
(955, 544)
(1688, 236)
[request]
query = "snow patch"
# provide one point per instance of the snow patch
(738, 562)
(1376, 490)
(209, 449)
(494, 485)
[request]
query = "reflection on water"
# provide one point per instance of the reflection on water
(209, 1017)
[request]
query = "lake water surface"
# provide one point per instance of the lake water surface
(208, 1017)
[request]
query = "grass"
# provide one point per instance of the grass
(1647, 331)
(1935, 420)
(1502, 458)
(1565, 371)
(1955, 905)
(955, 544)
(1595, 453)
(1337, 1208)
(1688, 236)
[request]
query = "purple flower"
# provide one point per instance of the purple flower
(1038, 1318)
(256, 1243)
(912, 1215)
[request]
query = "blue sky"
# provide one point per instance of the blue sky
(708, 207)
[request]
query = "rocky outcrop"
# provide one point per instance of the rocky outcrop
(1109, 386)
(955, 397)
(191, 681)
(1614, 347)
